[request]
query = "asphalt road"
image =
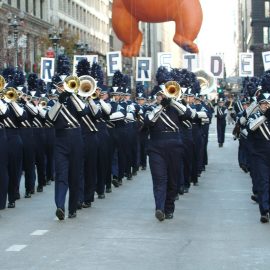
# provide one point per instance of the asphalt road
(215, 226)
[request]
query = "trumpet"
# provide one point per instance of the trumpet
(172, 90)
(43, 102)
(10, 94)
(87, 87)
(71, 84)
(94, 95)
(28, 98)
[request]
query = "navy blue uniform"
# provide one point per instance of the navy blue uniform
(68, 151)
(120, 144)
(165, 152)
(221, 123)
(3, 158)
(15, 116)
(90, 153)
(259, 134)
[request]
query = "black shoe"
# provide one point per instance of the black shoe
(199, 175)
(254, 198)
(17, 196)
(32, 191)
(176, 197)
(72, 215)
(27, 195)
(11, 205)
(129, 176)
(264, 218)
(39, 188)
(86, 204)
(101, 196)
(160, 215)
(143, 168)
(79, 206)
(115, 183)
(119, 181)
(169, 216)
(134, 171)
(60, 213)
(181, 191)
(186, 190)
(220, 144)
(108, 190)
(48, 182)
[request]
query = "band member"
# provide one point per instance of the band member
(259, 132)
(13, 119)
(142, 129)
(65, 115)
(221, 121)
(165, 152)
(3, 157)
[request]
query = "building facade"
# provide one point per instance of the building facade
(32, 19)
(88, 20)
(255, 30)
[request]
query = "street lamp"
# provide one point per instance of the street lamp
(83, 48)
(14, 22)
(55, 36)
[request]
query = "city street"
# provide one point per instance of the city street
(215, 226)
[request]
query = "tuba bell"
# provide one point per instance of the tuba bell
(172, 90)
(206, 80)
(71, 84)
(88, 86)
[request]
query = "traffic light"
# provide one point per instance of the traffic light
(220, 90)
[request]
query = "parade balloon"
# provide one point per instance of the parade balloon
(126, 15)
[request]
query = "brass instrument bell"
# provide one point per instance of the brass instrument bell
(88, 86)
(10, 94)
(172, 90)
(71, 84)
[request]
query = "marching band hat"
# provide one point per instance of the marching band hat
(263, 97)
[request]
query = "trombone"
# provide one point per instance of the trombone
(87, 86)
(42, 103)
(172, 89)
(72, 84)
(10, 94)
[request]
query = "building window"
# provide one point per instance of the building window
(26, 5)
(34, 8)
(41, 9)
(266, 35)
(18, 4)
(9, 2)
(267, 9)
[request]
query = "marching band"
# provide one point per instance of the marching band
(86, 137)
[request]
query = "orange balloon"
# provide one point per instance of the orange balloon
(126, 14)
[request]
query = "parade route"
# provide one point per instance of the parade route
(215, 226)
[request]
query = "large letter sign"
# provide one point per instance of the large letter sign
(217, 67)
(191, 61)
(143, 69)
(246, 65)
(90, 58)
(266, 60)
(165, 60)
(114, 62)
(47, 69)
